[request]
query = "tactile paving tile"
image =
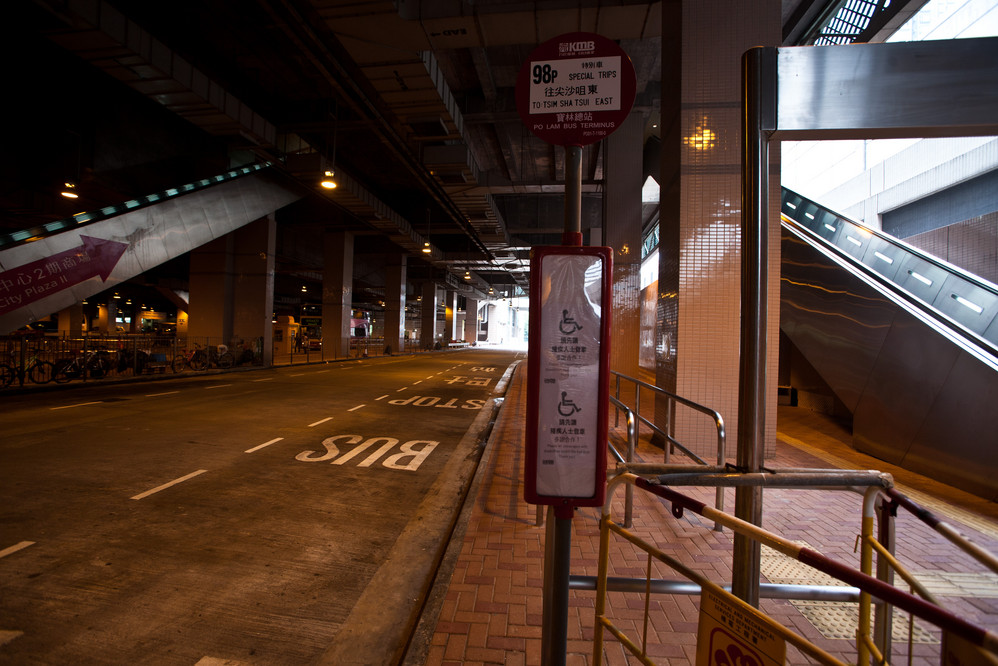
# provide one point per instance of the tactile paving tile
(836, 620)
(839, 620)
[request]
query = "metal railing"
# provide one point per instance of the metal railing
(863, 583)
(887, 563)
(668, 434)
(100, 357)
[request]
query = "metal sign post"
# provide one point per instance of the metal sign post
(573, 90)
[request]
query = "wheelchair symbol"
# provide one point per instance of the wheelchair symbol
(567, 406)
(568, 325)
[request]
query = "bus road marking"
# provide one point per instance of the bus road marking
(260, 446)
(312, 425)
(79, 404)
(16, 547)
(168, 484)
(353, 409)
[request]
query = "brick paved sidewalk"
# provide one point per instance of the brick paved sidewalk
(491, 613)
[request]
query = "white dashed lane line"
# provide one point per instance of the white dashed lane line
(260, 446)
(418, 381)
(382, 397)
(168, 484)
(208, 388)
(156, 395)
(312, 425)
(353, 409)
(265, 379)
(79, 404)
(16, 547)
(402, 389)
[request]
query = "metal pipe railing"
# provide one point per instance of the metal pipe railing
(868, 585)
(632, 443)
(676, 399)
(942, 527)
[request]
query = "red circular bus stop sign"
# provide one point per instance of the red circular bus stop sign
(575, 89)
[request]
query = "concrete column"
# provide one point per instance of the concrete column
(71, 322)
(253, 266)
(395, 272)
(136, 315)
(183, 321)
(107, 316)
(337, 294)
(428, 309)
(471, 321)
(450, 317)
(622, 228)
(212, 292)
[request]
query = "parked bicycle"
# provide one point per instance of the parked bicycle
(35, 370)
(221, 357)
(94, 365)
(201, 358)
(196, 359)
(7, 375)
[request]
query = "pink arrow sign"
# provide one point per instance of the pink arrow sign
(44, 277)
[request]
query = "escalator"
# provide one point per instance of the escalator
(59, 264)
(907, 342)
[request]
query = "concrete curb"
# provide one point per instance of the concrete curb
(378, 629)
(422, 636)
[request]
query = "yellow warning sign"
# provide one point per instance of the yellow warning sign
(961, 652)
(730, 635)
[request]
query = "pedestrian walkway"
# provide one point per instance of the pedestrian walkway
(486, 606)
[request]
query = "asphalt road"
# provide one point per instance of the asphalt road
(243, 518)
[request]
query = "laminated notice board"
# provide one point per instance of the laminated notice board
(568, 381)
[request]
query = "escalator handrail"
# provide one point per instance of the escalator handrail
(987, 340)
(953, 269)
(14, 238)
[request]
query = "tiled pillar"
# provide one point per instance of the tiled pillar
(470, 320)
(450, 317)
(622, 232)
(395, 271)
(699, 306)
(428, 310)
(337, 294)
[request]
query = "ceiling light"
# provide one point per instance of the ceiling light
(426, 247)
(702, 138)
(69, 190)
(327, 180)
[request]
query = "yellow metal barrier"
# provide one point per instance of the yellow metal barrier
(868, 585)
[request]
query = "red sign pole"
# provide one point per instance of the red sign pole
(573, 90)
